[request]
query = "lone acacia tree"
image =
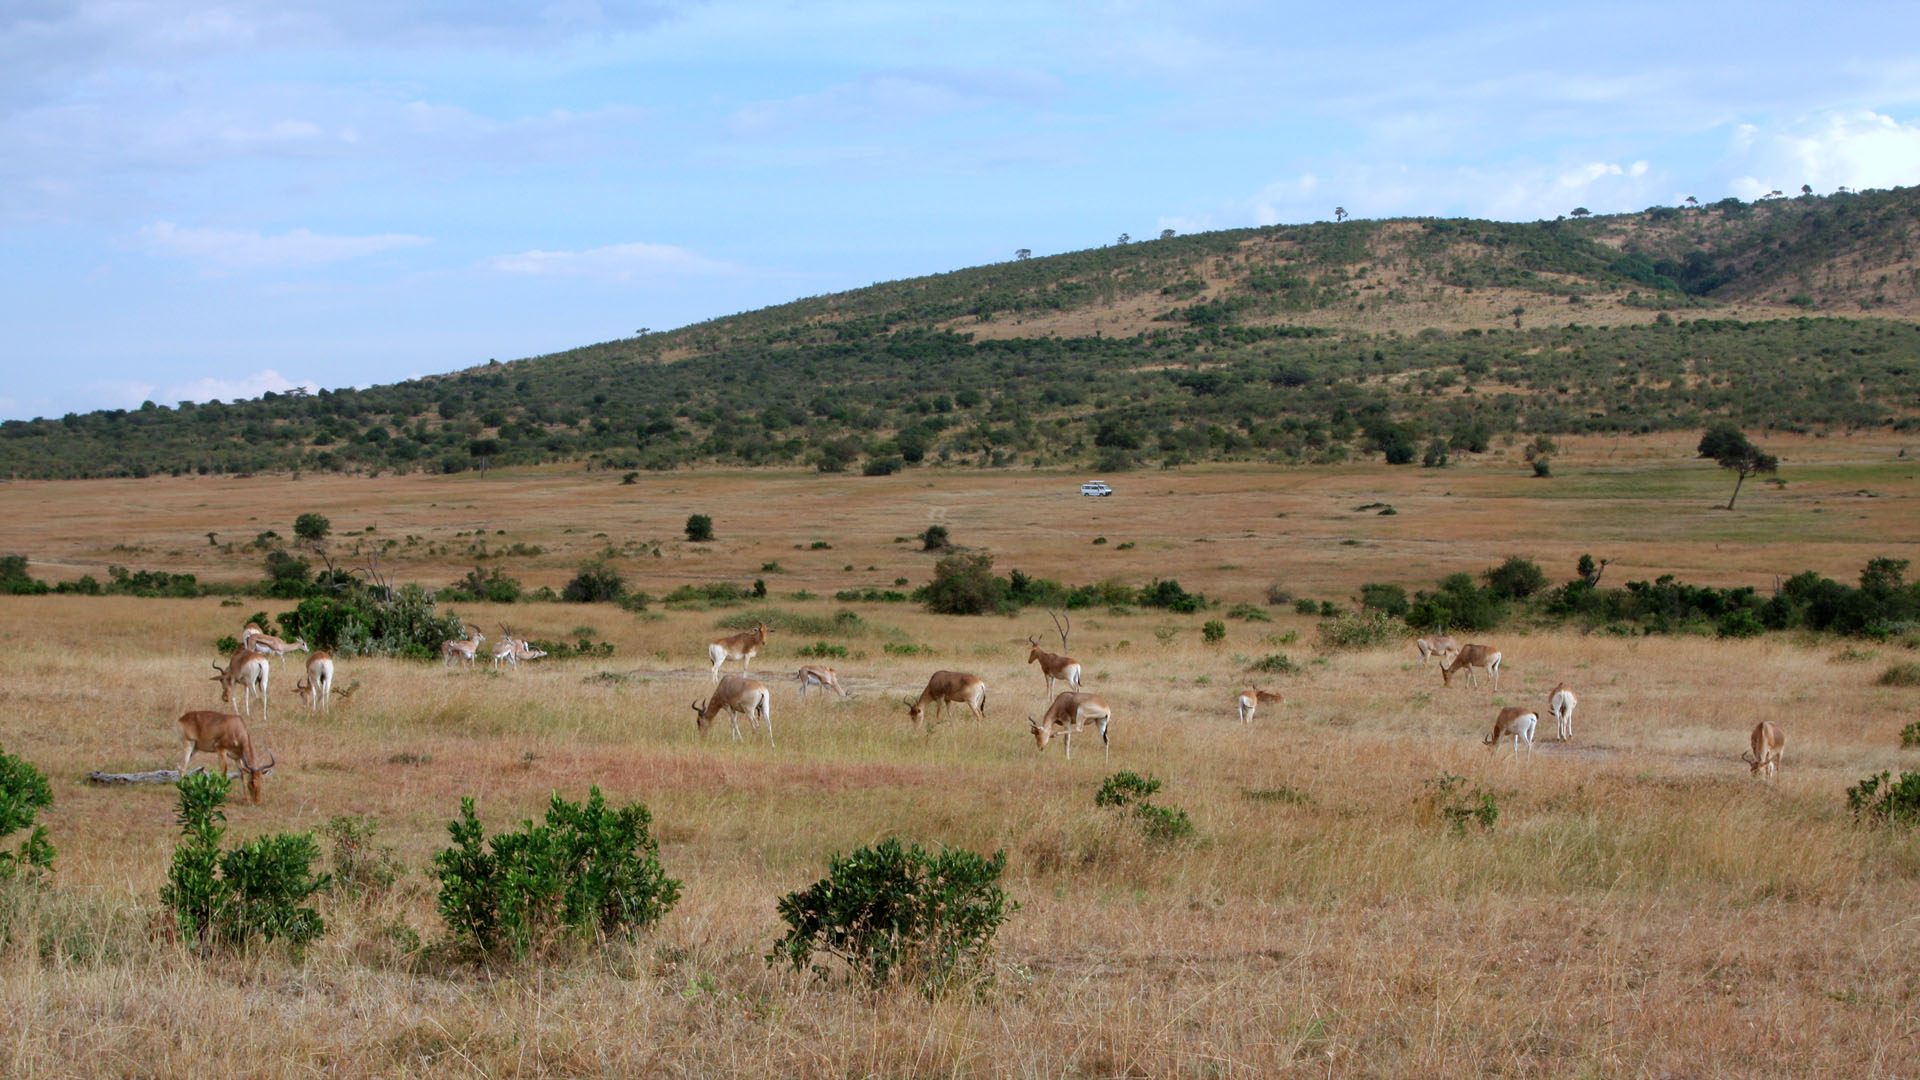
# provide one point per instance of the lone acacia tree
(1729, 447)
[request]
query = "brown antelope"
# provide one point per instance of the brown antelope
(1515, 723)
(1053, 665)
(1561, 704)
(268, 645)
(221, 734)
(513, 649)
(1470, 657)
(737, 694)
(1070, 712)
(1249, 700)
(822, 677)
(248, 672)
(957, 687)
(1440, 645)
(1767, 742)
(458, 649)
(739, 647)
(315, 688)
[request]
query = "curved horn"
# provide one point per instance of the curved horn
(262, 770)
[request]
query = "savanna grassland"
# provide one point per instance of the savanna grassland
(1641, 906)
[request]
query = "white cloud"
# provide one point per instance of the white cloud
(250, 385)
(1855, 148)
(616, 262)
(252, 250)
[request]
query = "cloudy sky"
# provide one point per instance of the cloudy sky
(204, 199)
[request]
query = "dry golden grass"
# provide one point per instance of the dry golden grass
(1641, 908)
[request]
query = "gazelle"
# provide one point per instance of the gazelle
(1440, 645)
(221, 734)
(737, 694)
(268, 645)
(318, 685)
(1516, 723)
(1070, 712)
(1470, 657)
(1249, 700)
(1053, 665)
(951, 686)
(1767, 742)
(739, 647)
(822, 677)
(457, 649)
(248, 672)
(1561, 704)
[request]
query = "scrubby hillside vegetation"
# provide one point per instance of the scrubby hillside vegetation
(1307, 343)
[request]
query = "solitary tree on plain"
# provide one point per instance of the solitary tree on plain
(1581, 211)
(1730, 449)
(1339, 213)
(312, 528)
(1023, 254)
(1166, 234)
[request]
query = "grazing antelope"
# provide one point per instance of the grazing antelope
(1561, 704)
(739, 647)
(1767, 742)
(1070, 712)
(457, 649)
(1470, 657)
(505, 649)
(1249, 700)
(822, 677)
(318, 685)
(1517, 723)
(1053, 665)
(951, 686)
(221, 734)
(737, 694)
(1440, 645)
(247, 671)
(268, 645)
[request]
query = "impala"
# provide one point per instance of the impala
(1561, 704)
(1516, 723)
(1440, 645)
(1767, 742)
(957, 687)
(1470, 657)
(247, 671)
(221, 734)
(822, 677)
(739, 647)
(318, 684)
(268, 645)
(737, 694)
(1249, 700)
(458, 649)
(1070, 712)
(1053, 665)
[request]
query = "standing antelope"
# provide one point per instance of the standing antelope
(1070, 712)
(247, 671)
(1470, 657)
(1249, 700)
(1767, 742)
(268, 645)
(220, 734)
(739, 647)
(951, 686)
(458, 649)
(1561, 704)
(737, 694)
(1517, 723)
(1053, 665)
(822, 677)
(1437, 645)
(318, 684)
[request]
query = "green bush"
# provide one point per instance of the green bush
(1130, 791)
(1169, 595)
(313, 528)
(822, 650)
(699, 528)
(1362, 631)
(1306, 606)
(226, 898)
(1449, 798)
(595, 583)
(965, 585)
(584, 872)
(1248, 612)
(24, 792)
(1214, 631)
(1276, 664)
(934, 538)
(369, 621)
(1903, 674)
(889, 910)
(1910, 735)
(1389, 600)
(1516, 579)
(1740, 623)
(1880, 800)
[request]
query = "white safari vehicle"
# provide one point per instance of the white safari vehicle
(1095, 487)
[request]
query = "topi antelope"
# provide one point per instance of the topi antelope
(737, 694)
(739, 647)
(957, 687)
(1767, 742)
(315, 688)
(1561, 704)
(1470, 657)
(1069, 713)
(1249, 700)
(222, 734)
(1515, 723)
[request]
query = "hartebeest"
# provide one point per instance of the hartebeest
(247, 671)
(737, 694)
(458, 649)
(1767, 742)
(1561, 704)
(1053, 665)
(221, 734)
(741, 647)
(318, 685)
(822, 677)
(951, 686)
(1250, 700)
(1440, 645)
(1470, 657)
(1515, 723)
(1070, 712)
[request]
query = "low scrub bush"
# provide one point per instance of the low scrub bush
(1248, 612)
(24, 792)
(257, 890)
(1360, 631)
(710, 595)
(1904, 674)
(1448, 797)
(842, 623)
(1882, 800)
(596, 583)
(1214, 631)
(360, 865)
(822, 650)
(402, 622)
(1390, 600)
(871, 596)
(1910, 735)
(1130, 791)
(1276, 664)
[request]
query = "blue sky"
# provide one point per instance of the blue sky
(212, 199)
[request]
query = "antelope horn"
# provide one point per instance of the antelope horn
(262, 770)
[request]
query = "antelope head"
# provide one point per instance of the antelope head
(1041, 735)
(700, 716)
(254, 776)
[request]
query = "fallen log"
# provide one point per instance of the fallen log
(156, 776)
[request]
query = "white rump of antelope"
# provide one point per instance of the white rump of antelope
(1470, 657)
(1069, 713)
(318, 684)
(737, 694)
(957, 687)
(822, 677)
(1561, 704)
(222, 734)
(1436, 645)
(1517, 724)
(739, 647)
(1250, 700)
(1766, 742)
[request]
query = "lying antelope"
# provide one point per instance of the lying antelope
(1561, 704)
(1249, 700)
(957, 687)
(1052, 665)
(1470, 657)
(318, 685)
(268, 645)
(822, 677)
(1070, 712)
(457, 649)
(247, 671)
(737, 694)
(1767, 742)
(739, 647)
(1440, 645)
(221, 734)
(1516, 723)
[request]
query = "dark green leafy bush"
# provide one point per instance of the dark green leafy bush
(596, 583)
(402, 622)
(1361, 631)
(1881, 800)
(699, 528)
(1448, 797)
(24, 792)
(1130, 791)
(964, 584)
(257, 890)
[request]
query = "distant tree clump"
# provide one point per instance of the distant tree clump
(1729, 447)
(699, 528)
(965, 585)
(595, 583)
(313, 528)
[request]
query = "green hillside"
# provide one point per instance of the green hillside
(1303, 343)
